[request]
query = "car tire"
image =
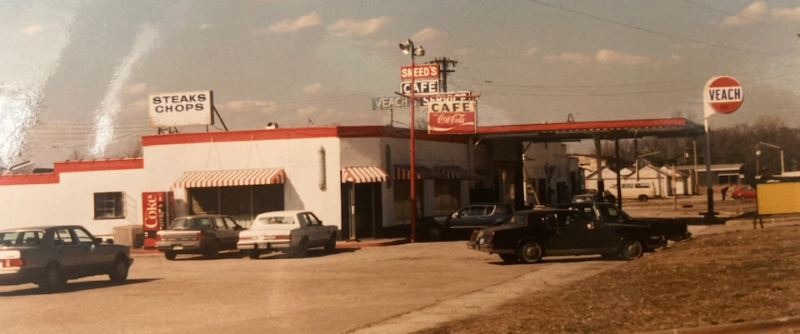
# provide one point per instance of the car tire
(642, 198)
(435, 233)
(119, 272)
(509, 258)
(530, 252)
(301, 250)
(213, 251)
(630, 249)
(254, 254)
(53, 279)
(170, 255)
(331, 244)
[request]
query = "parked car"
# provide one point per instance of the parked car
(533, 234)
(50, 255)
(744, 192)
(674, 229)
(641, 191)
(474, 216)
(291, 232)
(198, 234)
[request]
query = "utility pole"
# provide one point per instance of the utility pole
(444, 69)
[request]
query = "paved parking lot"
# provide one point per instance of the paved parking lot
(351, 290)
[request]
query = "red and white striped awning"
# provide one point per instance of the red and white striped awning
(363, 174)
(403, 172)
(458, 173)
(231, 178)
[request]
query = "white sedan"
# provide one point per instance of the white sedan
(286, 231)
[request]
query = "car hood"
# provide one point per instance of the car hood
(501, 228)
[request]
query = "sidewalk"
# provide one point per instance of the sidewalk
(361, 243)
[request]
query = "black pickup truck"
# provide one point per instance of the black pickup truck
(532, 234)
(669, 228)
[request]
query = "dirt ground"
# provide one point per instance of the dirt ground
(736, 276)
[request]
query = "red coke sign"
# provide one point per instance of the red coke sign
(154, 214)
(452, 117)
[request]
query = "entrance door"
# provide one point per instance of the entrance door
(361, 206)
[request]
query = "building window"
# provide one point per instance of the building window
(728, 179)
(447, 194)
(108, 205)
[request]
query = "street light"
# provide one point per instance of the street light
(408, 48)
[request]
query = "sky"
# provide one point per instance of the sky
(75, 75)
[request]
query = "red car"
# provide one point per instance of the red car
(744, 192)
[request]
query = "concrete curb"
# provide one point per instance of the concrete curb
(744, 327)
(341, 244)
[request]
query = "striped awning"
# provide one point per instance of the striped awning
(403, 172)
(363, 174)
(458, 173)
(231, 178)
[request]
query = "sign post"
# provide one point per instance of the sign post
(723, 95)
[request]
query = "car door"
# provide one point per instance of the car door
(471, 217)
(316, 233)
(70, 254)
(234, 229)
(224, 233)
(95, 260)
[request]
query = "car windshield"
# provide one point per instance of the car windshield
(21, 238)
(520, 219)
(190, 223)
(264, 222)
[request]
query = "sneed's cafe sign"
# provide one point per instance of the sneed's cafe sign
(181, 109)
(452, 117)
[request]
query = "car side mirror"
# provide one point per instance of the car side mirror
(97, 241)
(238, 228)
(110, 241)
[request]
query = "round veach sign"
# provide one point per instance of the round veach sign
(723, 94)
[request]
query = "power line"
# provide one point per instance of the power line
(650, 30)
(734, 14)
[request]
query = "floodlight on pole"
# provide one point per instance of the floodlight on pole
(408, 48)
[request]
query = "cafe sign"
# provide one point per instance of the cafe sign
(449, 117)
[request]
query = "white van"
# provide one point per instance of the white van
(633, 190)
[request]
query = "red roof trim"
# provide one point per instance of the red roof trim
(70, 166)
(26, 179)
(292, 133)
(579, 126)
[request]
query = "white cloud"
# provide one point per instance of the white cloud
(304, 21)
(570, 57)
(606, 56)
(31, 30)
(204, 26)
(348, 27)
(752, 14)
(786, 14)
(248, 106)
(312, 89)
(531, 51)
(427, 34)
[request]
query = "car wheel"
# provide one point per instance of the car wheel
(435, 233)
(331, 244)
(530, 252)
(254, 254)
(642, 198)
(213, 251)
(630, 249)
(301, 250)
(53, 280)
(170, 255)
(509, 258)
(119, 272)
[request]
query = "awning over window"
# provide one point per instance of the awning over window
(363, 174)
(403, 172)
(458, 173)
(231, 178)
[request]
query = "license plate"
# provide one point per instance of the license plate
(177, 247)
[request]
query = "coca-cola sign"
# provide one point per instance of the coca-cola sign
(452, 117)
